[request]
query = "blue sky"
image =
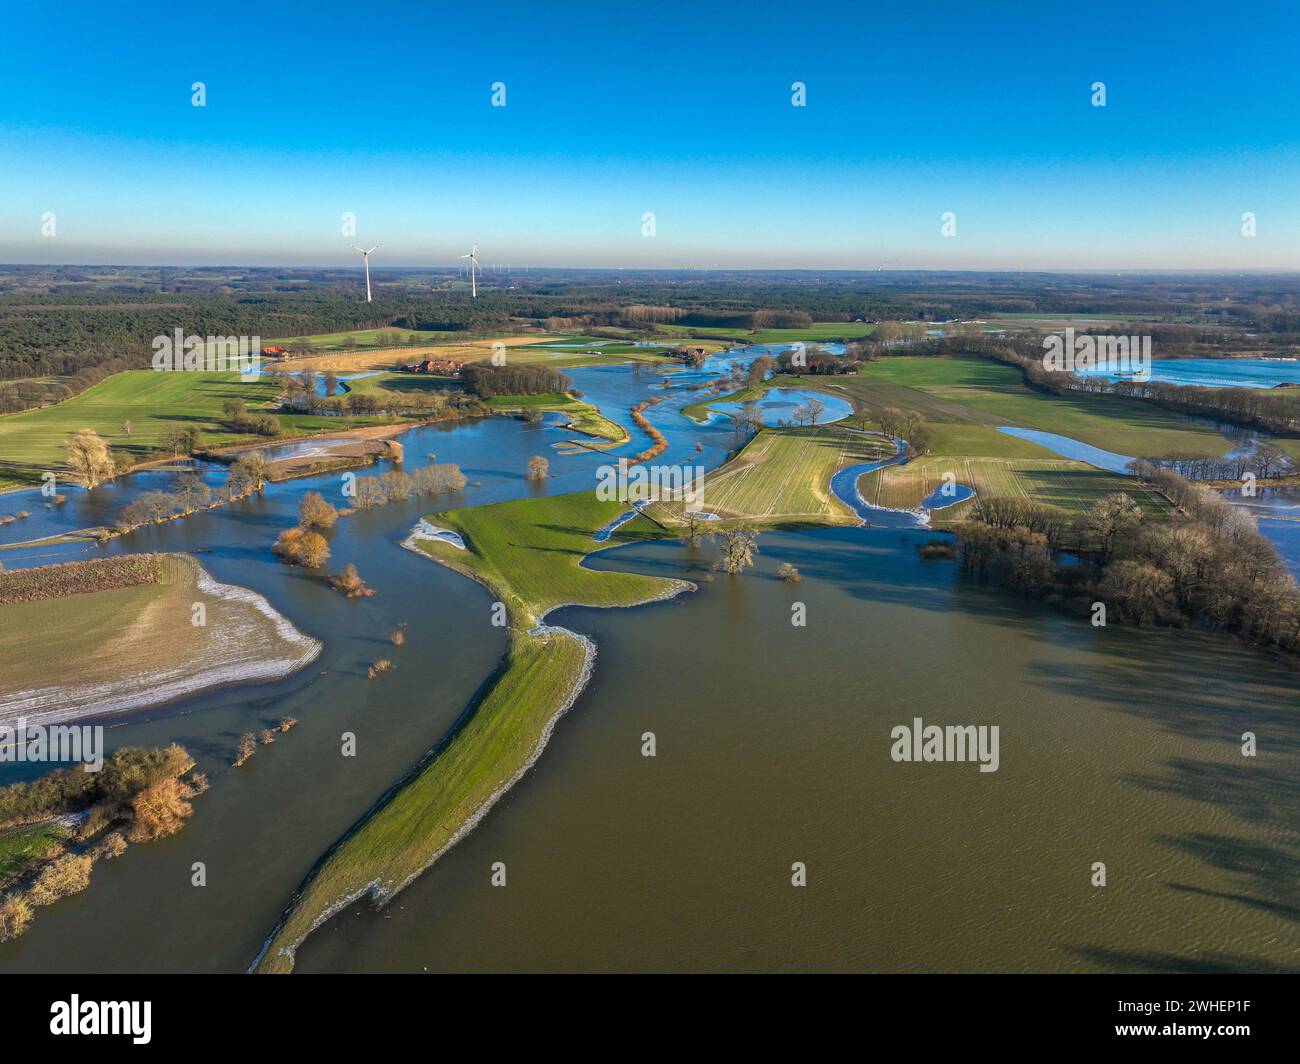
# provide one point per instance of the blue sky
(680, 109)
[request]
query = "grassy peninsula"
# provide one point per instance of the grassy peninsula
(528, 553)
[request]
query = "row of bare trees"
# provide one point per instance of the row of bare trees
(1208, 565)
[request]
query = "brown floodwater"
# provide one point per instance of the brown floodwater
(773, 746)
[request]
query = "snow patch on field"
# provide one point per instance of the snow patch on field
(246, 651)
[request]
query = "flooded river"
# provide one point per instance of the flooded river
(773, 742)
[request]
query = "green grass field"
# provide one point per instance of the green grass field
(576, 353)
(529, 552)
(20, 846)
(111, 645)
(342, 341)
(32, 442)
(783, 476)
(979, 391)
(1073, 486)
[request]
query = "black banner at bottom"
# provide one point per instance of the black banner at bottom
(339, 1013)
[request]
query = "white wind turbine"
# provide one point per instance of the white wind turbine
(473, 265)
(365, 258)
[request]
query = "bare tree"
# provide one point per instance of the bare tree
(695, 531)
(739, 546)
(89, 458)
(1111, 516)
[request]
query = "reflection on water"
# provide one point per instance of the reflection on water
(1218, 372)
(780, 406)
(1070, 448)
(1278, 512)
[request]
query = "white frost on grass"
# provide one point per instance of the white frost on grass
(245, 652)
(424, 530)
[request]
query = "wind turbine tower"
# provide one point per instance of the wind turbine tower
(365, 258)
(473, 265)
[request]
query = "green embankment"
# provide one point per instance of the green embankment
(528, 553)
(583, 417)
(442, 798)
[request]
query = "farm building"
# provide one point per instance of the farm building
(449, 366)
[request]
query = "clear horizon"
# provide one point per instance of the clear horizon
(681, 112)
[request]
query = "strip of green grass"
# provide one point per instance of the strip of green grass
(528, 553)
(818, 332)
(782, 476)
(583, 417)
(20, 846)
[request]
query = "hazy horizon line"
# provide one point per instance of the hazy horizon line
(494, 269)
